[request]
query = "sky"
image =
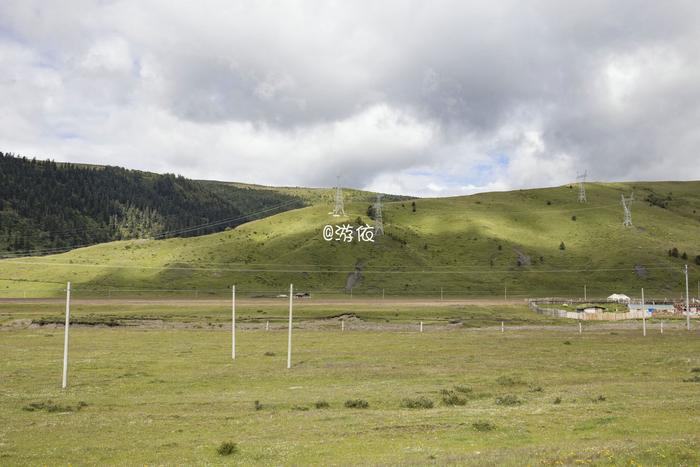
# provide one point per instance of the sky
(426, 98)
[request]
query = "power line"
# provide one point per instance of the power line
(326, 271)
(23, 253)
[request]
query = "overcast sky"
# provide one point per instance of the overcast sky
(429, 98)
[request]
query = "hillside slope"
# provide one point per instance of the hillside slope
(48, 206)
(51, 206)
(469, 246)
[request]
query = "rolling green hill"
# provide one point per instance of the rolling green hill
(50, 207)
(534, 242)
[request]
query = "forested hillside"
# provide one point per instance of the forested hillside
(51, 206)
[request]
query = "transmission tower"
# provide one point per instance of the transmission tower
(581, 188)
(339, 209)
(378, 221)
(627, 206)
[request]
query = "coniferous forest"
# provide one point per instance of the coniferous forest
(47, 206)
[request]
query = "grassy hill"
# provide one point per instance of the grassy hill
(469, 246)
(51, 207)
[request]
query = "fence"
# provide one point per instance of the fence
(534, 304)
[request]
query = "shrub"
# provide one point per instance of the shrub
(600, 398)
(697, 260)
(509, 381)
(227, 448)
(684, 255)
(417, 403)
(508, 400)
(673, 252)
(562, 246)
(573, 218)
(52, 407)
(258, 405)
(557, 401)
(483, 425)
(269, 354)
(536, 389)
(692, 379)
(463, 389)
(322, 405)
(695, 370)
(567, 342)
(356, 404)
(451, 398)
(300, 408)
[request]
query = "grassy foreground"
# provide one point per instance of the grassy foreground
(174, 396)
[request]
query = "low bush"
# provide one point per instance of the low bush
(508, 400)
(483, 425)
(463, 389)
(300, 408)
(269, 354)
(227, 448)
(258, 405)
(692, 379)
(417, 403)
(356, 404)
(509, 381)
(557, 401)
(322, 405)
(52, 407)
(600, 398)
(451, 398)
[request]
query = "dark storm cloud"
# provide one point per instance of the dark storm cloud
(420, 97)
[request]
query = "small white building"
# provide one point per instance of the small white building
(619, 298)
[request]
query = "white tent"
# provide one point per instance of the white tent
(619, 298)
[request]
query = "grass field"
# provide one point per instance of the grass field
(251, 313)
(469, 246)
(539, 393)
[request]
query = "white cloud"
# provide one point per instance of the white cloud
(438, 99)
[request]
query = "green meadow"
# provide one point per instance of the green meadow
(521, 243)
(534, 395)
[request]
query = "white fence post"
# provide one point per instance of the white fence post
(233, 322)
(644, 316)
(65, 340)
(289, 340)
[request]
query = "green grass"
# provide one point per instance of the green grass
(468, 246)
(327, 313)
(176, 397)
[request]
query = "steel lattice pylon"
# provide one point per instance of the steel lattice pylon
(581, 188)
(627, 206)
(378, 221)
(339, 209)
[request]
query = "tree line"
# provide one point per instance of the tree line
(48, 206)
